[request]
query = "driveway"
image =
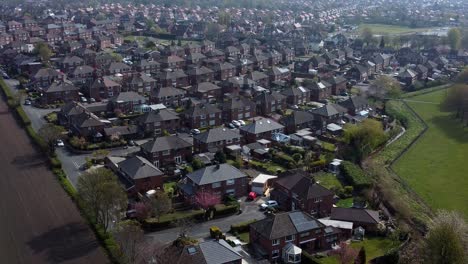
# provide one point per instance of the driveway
(250, 211)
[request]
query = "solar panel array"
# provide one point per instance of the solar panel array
(301, 222)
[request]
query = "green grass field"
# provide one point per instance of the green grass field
(374, 246)
(435, 165)
(381, 29)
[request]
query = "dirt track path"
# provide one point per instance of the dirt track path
(38, 221)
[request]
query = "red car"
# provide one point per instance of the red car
(252, 196)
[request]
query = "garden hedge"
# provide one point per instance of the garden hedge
(242, 227)
(355, 176)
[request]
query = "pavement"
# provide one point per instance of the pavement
(201, 231)
(39, 223)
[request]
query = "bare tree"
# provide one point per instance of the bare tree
(51, 133)
(346, 254)
(385, 87)
(129, 237)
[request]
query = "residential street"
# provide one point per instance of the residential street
(250, 211)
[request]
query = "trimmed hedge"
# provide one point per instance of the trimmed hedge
(355, 176)
(152, 224)
(6, 91)
(23, 116)
(224, 210)
(307, 258)
(55, 163)
(242, 227)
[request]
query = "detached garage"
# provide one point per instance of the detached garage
(262, 182)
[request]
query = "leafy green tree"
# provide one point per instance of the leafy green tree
(363, 138)
(220, 156)
(197, 164)
(367, 35)
(44, 52)
(385, 87)
(51, 133)
(102, 196)
(454, 38)
(447, 239)
(161, 204)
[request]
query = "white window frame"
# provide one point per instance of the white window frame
(273, 252)
(216, 185)
(292, 238)
(230, 182)
(275, 242)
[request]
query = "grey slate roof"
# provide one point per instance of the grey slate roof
(261, 126)
(354, 102)
(329, 110)
(158, 116)
(355, 215)
(214, 173)
(285, 224)
(137, 167)
(61, 87)
(217, 134)
(128, 97)
(298, 117)
(216, 252)
(165, 143)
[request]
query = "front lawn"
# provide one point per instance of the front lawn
(382, 29)
(345, 203)
(434, 165)
(269, 166)
(244, 237)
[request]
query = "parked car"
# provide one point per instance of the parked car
(269, 204)
(60, 143)
(92, 100)
(195, 131)
(131, 143)
(231, 126)
(241, 122)
(252, 196)
(83, 99)
(27, 102)
(236, 123)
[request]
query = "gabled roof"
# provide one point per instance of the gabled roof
(217, 134)
(167, 91)
(128, 97)
(238, 103)
(261, 126)
(138, 167)
(206, 87)
(269, 97)
(355, 215)
(303, 186)
(329, 110)
(158, 116)
(286, 224)
(118, 66)
(354, 102)
(297, 117)
(215, 173)
(202, 109)
(61, 87)
(295, 91)
(165, 143)
(47, 72)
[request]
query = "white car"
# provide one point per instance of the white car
(83, 99)
(236, 123)
(195, 131)
(60, 143)
(269, 204)
(241, 122)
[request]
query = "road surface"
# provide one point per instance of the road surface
(38, 223)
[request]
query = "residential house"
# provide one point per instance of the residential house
(82, 75)
(319, 90)
(260, 78)
(296, 190)
(127, 102)
(329, 113)
(141, 173)
(215, 139)
(148, 66)
(297, 95)
(69, 63)
(46, 76)
(338, 84)
(174, 78)
(223, 70)
(297, 120)
(282, 237)
(88, 125)
(408, 77)
(207, 90)
(201, 74)
(60, 91)
(208, 252)
(119, 68)
(172, 62)
(154, 123)
(167, 151)
(279, 74)
(270, 102)
(103, 88)
(141, 83)
(238, 108)
(262, 128)
(355, 104)
(220, 180)
(202, 116)
(169, 96)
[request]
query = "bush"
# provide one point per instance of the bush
(36, 138)
(6, 91)
(215, 232)
(55, 163)
(223, 210)
(355, 176)
(24, 118)
(242, 227)
(307, 258)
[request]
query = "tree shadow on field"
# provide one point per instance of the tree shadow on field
(452, 127)
(65, 243)
(29, 160)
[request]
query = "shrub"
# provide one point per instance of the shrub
(55, 163)
(223, 210)
(348, 190)
(242, 227)
(307, 258)
(355, 176)
(24, 118)
(5, 89)
(215, 232)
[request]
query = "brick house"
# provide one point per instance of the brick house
(167, 151)
(282, 237)
(168, 96)
(279, 74)
(206, 90)
(127, 102)
(215, 139)
(297, 120)
(148, 66)
(141, 173)
(354, 104)
(268, 103)
(262, 128)
(319, 90)
(153, 123)
(70, 62)
(119, 67)
(220, 179)
(368, 219)
(103, 88)
(238, 108)
(176, 78)
(338, 84)
(198, 75)
(141, 83)
(46, 76)
(60, 92)
(297, 95)
(329, 113)
(172, 62)
(223, 70)
(296, 190)
(82, 75)
(203, 115)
